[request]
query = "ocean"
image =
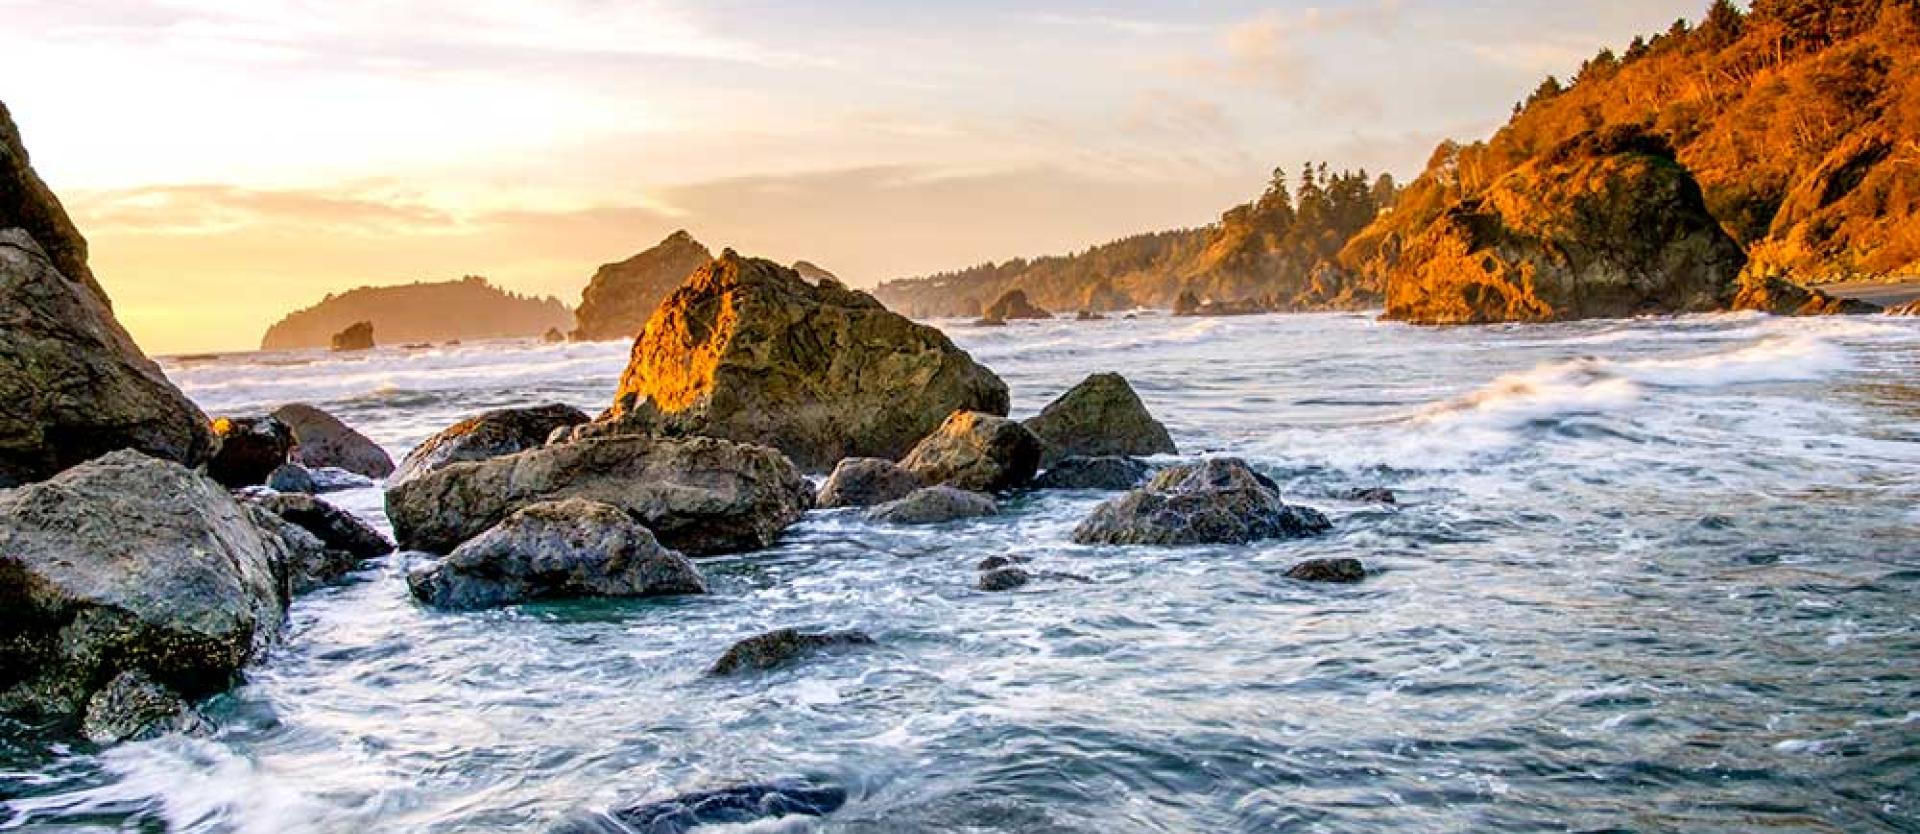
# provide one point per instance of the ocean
(1648, 575)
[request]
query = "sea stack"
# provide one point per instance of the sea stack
(617, 302)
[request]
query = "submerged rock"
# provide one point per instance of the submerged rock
(132, 707)
(322, 441)
(250, 449)
(1013, 304)
(992, 563)
(748, 350)
(1371, 495)
(357, 336)
(1328, 570)
(778, 648)
(978, 452)
(726, 806)
(621, 296)
(1097, 473)
(1101, 416)
(490, 434)
(1004, 579)
(553, 550)
(934, 505)
(864, 482)
(1217, 501)
(699, 495)
(129, 563)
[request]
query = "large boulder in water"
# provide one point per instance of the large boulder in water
(1217, 501)
(934, 505)
(490, 434)
(1101, 416)
(864, 482)
(622, 296)
(337, 528)
(699, 495)
(747, 350)
(129, 563)
(250, 449)
(978, 452)
(556, 550)
(781, 647)
(74, 383)
(1111, 472)
(1013, 304)
(1606, 225)
(356, 336)
(322, 441)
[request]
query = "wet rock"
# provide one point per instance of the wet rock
(1013, 304)
(357, 336)
(699, 495)
(1088, 315)
(556, 550)
(250, 449)
(1096, 473)
(934, 505)
(74, 383)
(322, 441)
(621, 296)
(1371, 495)
(865, 482)
(339, 529)
(1328, 570)
(130, 563)
(553, 336)
(1102, 416)
(748, 350)
(132, 707)
(978, 452)
(334, 479)
(1777, 295)
(778, 648)
(490, 434)
(727, 806)
(989, 322)
(1004, 579)
(292, 477)
(302, 559)
(1217, 501)
(1911, 308)
(996, 562)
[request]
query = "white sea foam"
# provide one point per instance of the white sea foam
(1779, 359)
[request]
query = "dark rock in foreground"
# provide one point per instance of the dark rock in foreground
(250, 449)
(357, 336)
(556, 550)
(1328, 570)
(934, 505)
(490, 434)
(1109, 473)
(1004, 579)
(1217, 501)
(1102, 416)
(864, 482)
(778, 648)
(699, 495)
(726, 806)
(322, 441)
(978, 452)
(128, 563)
(131, 707)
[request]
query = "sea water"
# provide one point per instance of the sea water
(1648, 575)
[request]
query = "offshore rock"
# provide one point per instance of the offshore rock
(934, 505)
(250, 449)
(1012, 305)
(321, 440)
(622, 296)
(779, 648)
(864, 482)
(555, 550)
(357, 336)
(749, 351)
(490, 434)
(1004, 579)
(1328, 570)
(1111, 473)
(1217, 501)
(1100, 416)
(978, 452)
(699, 495)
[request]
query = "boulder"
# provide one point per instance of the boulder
(356, 336)
(1911, 308)
(1004, 579)
(322, 441)
(733, 806)
(1371, 495)
(292, 477)
(622, 296)
(490, 434)
(864, 482)
(749, 351)
(1110, 472)
(934, 505)
(306, 562)
(75, 384)
(556, 550)
(132, 707)
(1328, 570)
(553, 336)
(250, 449)
(1013, 304)
(1100, 416)
(1088, 315)
(337, 528)
(699, 495)
(993, 563)
(778, 648)
(1217, 501)
(1606, 225)
(1781, 297)
(978, 452)
(130, 563)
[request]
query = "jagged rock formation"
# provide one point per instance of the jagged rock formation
(74, 383)
(437, 312)
(1100, 416)
(356, 336)
(815, 273)
(554, 550)
(622, 296)
(1012, 305)
(489, 434)
(748, 351)
(1607, 225)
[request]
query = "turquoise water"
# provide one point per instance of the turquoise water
(1654, 575)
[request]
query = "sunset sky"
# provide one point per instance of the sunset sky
(231, 161)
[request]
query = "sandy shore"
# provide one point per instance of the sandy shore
(1884, 293)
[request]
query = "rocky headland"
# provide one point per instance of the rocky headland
(470, 308)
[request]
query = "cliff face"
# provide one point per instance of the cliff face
(469, 308)
(621, 296)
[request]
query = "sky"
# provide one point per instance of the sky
(232, 160)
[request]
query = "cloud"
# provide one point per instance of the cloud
(1266, 52)
(1124, 25)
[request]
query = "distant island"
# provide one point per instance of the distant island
(1735, 163)
(470, 308)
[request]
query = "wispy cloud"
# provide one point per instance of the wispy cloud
(1265, 51)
